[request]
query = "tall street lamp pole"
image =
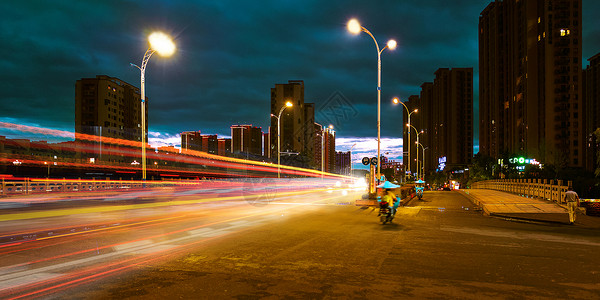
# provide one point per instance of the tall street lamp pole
(395, 100)
(354, 27)
(163, 44)
(287, 104)
(418, 132)
(423, 162)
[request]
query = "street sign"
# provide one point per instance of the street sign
(365, 161)
(374, 161)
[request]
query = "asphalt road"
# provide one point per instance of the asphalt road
(297, 248)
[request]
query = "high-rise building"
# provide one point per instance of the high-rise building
(246, 139)
(224, 147)
(453, 93)
(191, 140)
(317, 145)
(530, 93)
(591, 96)
(194, 140)
(342, 163)
(329, 149)
(428, 114)
(296, 121)
(445, 118)
(267, 144)
(108, 107)
(324, 148)
(210, 144)
(309, 121)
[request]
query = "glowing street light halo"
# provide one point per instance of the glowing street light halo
(391, 44)
(161, 43)
(354, 26)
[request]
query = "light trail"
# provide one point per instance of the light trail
(93, 273)
(131, 149)
(74, 211)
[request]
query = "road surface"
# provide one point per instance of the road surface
(307, 245)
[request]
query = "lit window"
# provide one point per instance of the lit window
(564, 32)
(539, 37)
(539, 20)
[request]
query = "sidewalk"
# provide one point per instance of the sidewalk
(497, 203)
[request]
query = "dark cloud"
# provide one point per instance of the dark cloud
(230, 53)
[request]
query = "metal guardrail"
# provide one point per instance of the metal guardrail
(36, 186)
(548, 189)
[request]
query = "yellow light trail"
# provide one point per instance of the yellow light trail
(75, 211)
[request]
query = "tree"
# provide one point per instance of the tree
(597, 137)
(389, 174)
(481, 169)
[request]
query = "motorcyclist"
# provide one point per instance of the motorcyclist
(390, 197)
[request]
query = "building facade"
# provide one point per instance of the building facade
(246, 139)
(318, 145)
(191, 140)
(210, 143)
(432, 128)
(591, 96)
(342, 163)
(296, 122)
(267, 147)
(224, 147)
(108, 107)
(324, 148)
(530, 81)
(444, 122)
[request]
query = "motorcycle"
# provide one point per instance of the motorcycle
(385, 213)
(419, 193)
(419, 187)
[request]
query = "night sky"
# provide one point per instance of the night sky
(231, 53)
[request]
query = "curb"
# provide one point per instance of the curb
(474, 201)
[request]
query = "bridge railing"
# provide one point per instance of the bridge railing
(547, 189)
(36, 186)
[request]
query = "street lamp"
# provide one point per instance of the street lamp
(423, 163)
(354, 27)
(418, 132)
(396, 100)
(17, 163)
(287, 104)
(163, 44)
